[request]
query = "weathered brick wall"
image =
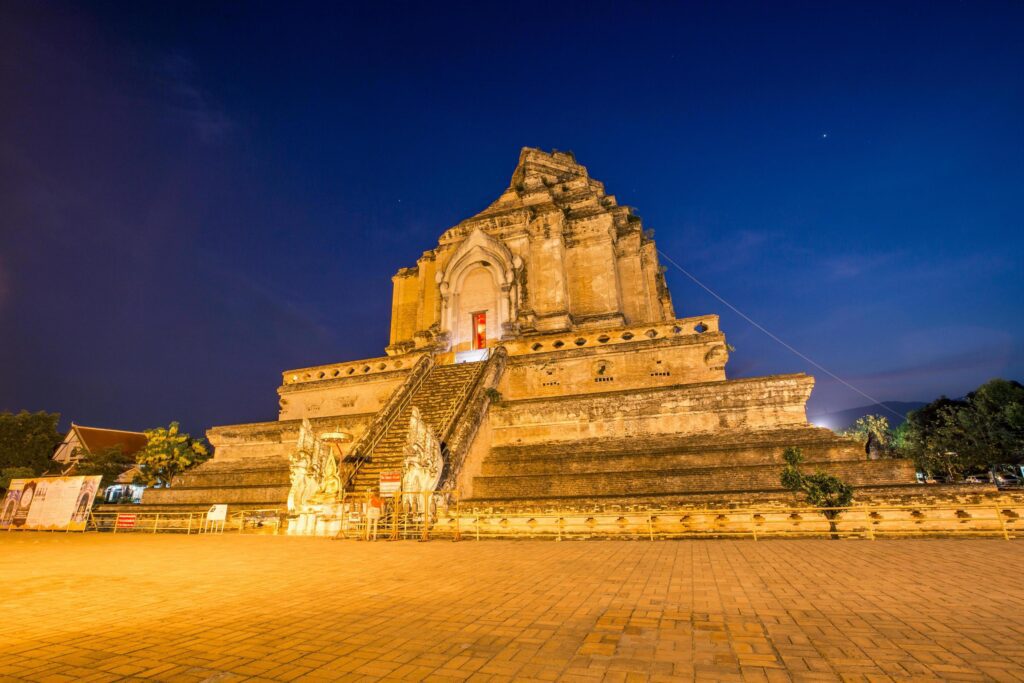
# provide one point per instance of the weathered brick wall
(580, 259)
(889, 496)
(669, 451)
(577, 364)
(405, 304)
(263, 481)
(263, 496)
(710, 408)
(699, 480)
(276, 439)
(363, 391)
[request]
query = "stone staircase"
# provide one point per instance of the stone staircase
(439, 399)
(672, 467)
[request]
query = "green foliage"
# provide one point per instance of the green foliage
(991, 428)
(900, 440)
(953, 438)
(877, 425)
(492, 394)
(168, 453)
(874, 432)
(820, 490)
(926, 441)
(8, 473)
(109, 464)
(27, 440)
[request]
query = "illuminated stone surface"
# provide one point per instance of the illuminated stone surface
(568, 285)
(104, 607)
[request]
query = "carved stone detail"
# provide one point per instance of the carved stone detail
(422, 463)
(313, 471)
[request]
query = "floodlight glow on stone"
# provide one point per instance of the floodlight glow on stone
(338, 437)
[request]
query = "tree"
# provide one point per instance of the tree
(820, 490)
(874, 432)
(27, 440)
(8, 473)
(168, 453)
(990, 430)
(928, 441)
(109, 463)
(955, 437)
(899, 440)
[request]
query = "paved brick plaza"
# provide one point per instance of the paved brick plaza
(103, 607)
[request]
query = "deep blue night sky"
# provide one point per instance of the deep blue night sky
(194, 198)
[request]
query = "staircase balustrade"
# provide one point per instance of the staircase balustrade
(455, 426)
(472, 407)
(363, 447)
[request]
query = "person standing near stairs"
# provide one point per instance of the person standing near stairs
(373, 513)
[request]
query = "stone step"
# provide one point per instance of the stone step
(182, 508)
(806, 437)
(240, 477)
(243, 464)
(251, 496)
(435, 398)
(652, 482)
(566, 460)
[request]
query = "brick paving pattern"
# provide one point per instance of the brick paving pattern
(226, 608)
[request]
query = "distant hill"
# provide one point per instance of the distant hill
(844, 419)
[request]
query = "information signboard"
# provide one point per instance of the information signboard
(125, 521)
(49, 503)
(390, 483)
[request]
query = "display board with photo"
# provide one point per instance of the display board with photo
(49, 503)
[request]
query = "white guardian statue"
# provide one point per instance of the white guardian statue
(314, 471)
(422, 463)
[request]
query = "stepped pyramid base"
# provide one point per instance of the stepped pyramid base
(716, 466)
(242, 484)
(704, 443)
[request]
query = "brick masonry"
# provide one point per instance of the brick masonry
(606, 393)
(90, 607)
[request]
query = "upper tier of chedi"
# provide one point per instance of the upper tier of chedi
(553, 253)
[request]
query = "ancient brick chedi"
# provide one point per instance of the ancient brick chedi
(539, 345)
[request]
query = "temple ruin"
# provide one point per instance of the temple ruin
(538, 345)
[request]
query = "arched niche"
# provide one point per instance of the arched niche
(479, 278)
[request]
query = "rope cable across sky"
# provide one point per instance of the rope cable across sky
(780, 341)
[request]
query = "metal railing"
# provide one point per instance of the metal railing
(446, 518)
(489, 373)
(398, 401)
(430, 515)
(147, 522)
(867, 521)
(406, 515)
(447, 423)
(244, 521)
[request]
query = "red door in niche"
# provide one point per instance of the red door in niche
(480, 330)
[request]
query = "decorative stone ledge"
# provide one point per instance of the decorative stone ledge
(694, 327)
(359, 368)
